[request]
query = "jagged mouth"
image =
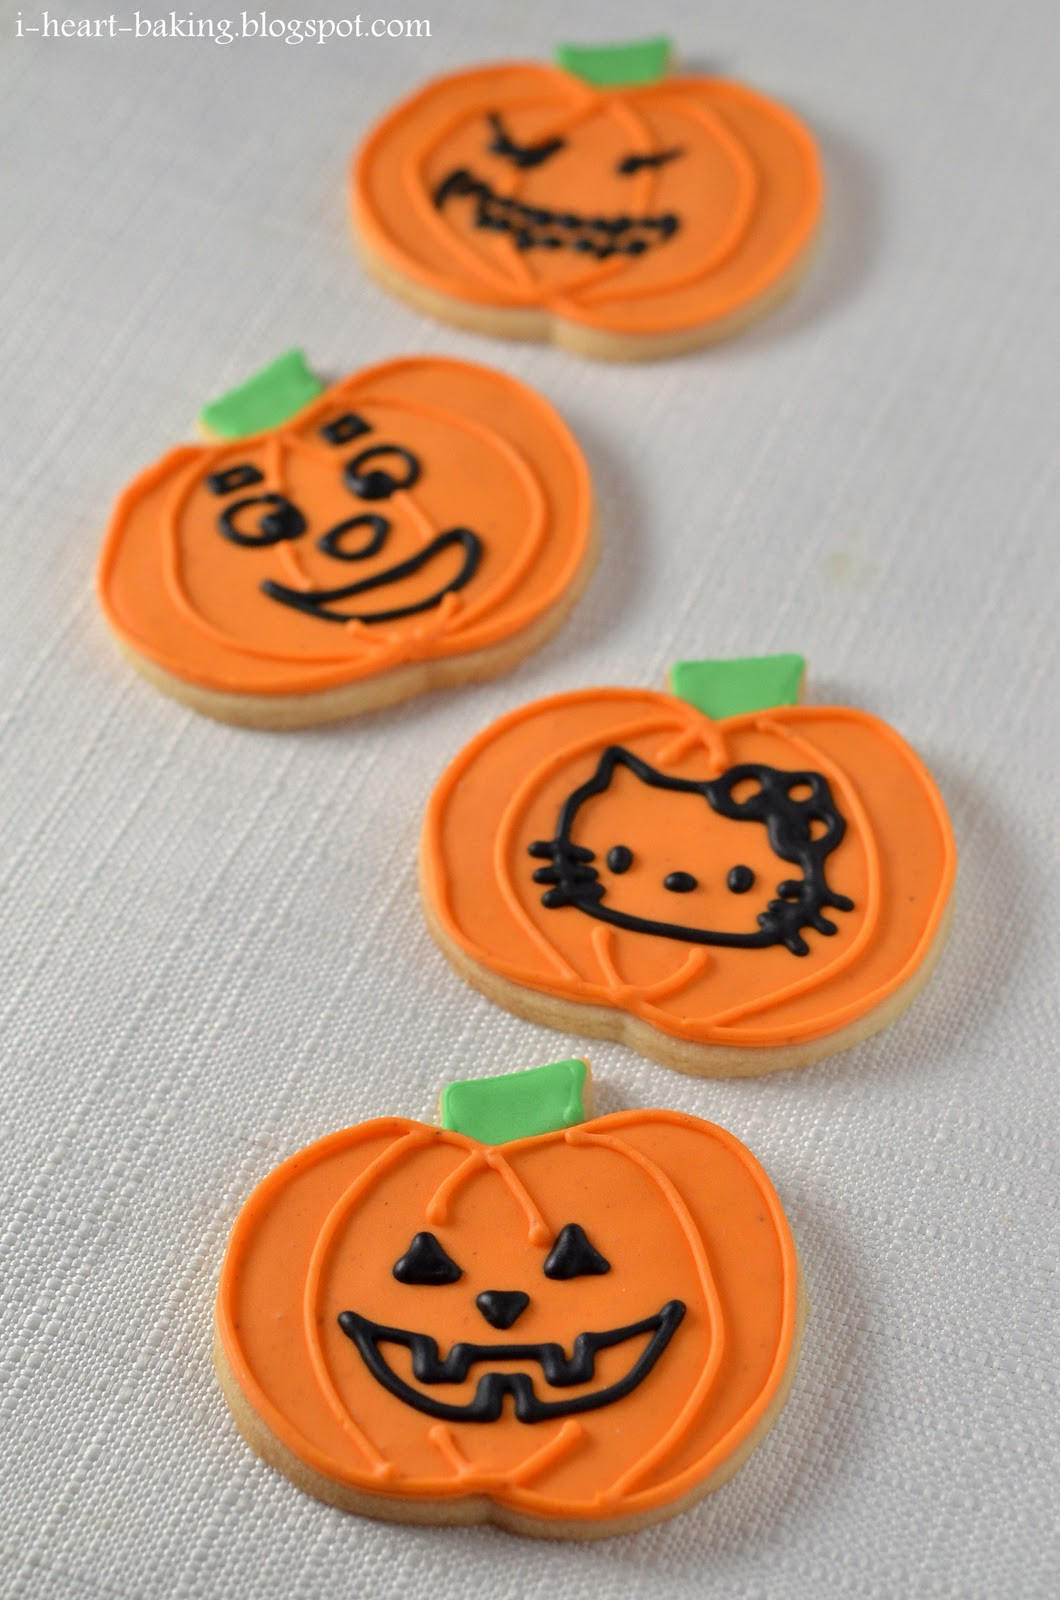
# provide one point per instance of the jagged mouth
(538, 228)
(558, 1370)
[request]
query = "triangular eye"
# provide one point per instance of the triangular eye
(572, 1256)
(426, 1262)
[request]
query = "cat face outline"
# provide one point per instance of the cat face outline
(803, 826)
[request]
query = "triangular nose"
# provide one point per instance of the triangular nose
(501, 1307)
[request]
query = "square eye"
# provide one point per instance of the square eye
(343, 429)
(233, 478)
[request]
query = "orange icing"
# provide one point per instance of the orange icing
(697, 1221)
(896, 862)
(494, 457)
(746, 189)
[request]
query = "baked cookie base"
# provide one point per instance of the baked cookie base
(700, 1060)
(279, 712)
(527, 325)
(467, 1511)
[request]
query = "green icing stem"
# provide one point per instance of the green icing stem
(617, 66)
(730, 688)
(518, 1104)
(263, 401)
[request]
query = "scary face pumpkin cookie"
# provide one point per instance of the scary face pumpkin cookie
(566, 1326)
(599, 203)
(422, 522)
(723, 878)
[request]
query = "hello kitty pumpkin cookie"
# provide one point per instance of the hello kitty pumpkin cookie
(420, 523)
(723, 878)
(567, 1325)
(600, 203)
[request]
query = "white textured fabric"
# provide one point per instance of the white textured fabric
(211, 944)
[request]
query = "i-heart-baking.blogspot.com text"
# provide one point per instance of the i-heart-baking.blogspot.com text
(221, 30)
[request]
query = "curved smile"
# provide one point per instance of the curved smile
(317, 602)
(538, 228)
(488, 1402)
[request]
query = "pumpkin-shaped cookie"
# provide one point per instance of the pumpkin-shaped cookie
(727, 880)
(564, 1326)
(599, 203)
(422, 522)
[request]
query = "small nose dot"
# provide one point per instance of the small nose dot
(680, 882)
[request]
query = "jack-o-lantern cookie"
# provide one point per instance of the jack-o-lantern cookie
(422, 522)
(570, 1327)
(599, 203)
(727, 880)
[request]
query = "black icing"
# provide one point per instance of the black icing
(801, 831)
(233, 478)
(542, 228)
(520, 155)
(619, 858)
(502, 1307)
(426, 1262)
(376, 483)
(680, 882)
(375, 473)
(280, 520)
(557, 1371)
(317, 602)
(630, 164)
(331, 542)
(572, 1256)
(342, 429)
(740, 879)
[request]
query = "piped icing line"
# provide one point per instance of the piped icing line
(504, 851)
(700, 1206)
(439, 1207)
(748, 187)
(872, 903)
(568, 1436)
(642, 196)
(248, 1220)
(711, 1367)
(541, 529)
(789, 1259)
(757, 225)
(420, 191)
(753, 1019)
(318, 1262)
(694, 964)
(871, 900)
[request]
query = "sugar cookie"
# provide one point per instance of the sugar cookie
(422, 522)
(569, 1327)
(599, 203)
(722, 878)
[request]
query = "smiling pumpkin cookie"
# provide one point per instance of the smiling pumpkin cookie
(419, 523)
(600, 203)
(727, 880)
(462, 1324)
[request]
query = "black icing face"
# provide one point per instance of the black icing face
(252, 517)
(426, 1264)
(802, 825)
(532, 225)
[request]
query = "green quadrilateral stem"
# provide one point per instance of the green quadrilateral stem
(517, 1105)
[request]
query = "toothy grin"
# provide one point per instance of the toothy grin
(559, 1372)
(537, 228)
